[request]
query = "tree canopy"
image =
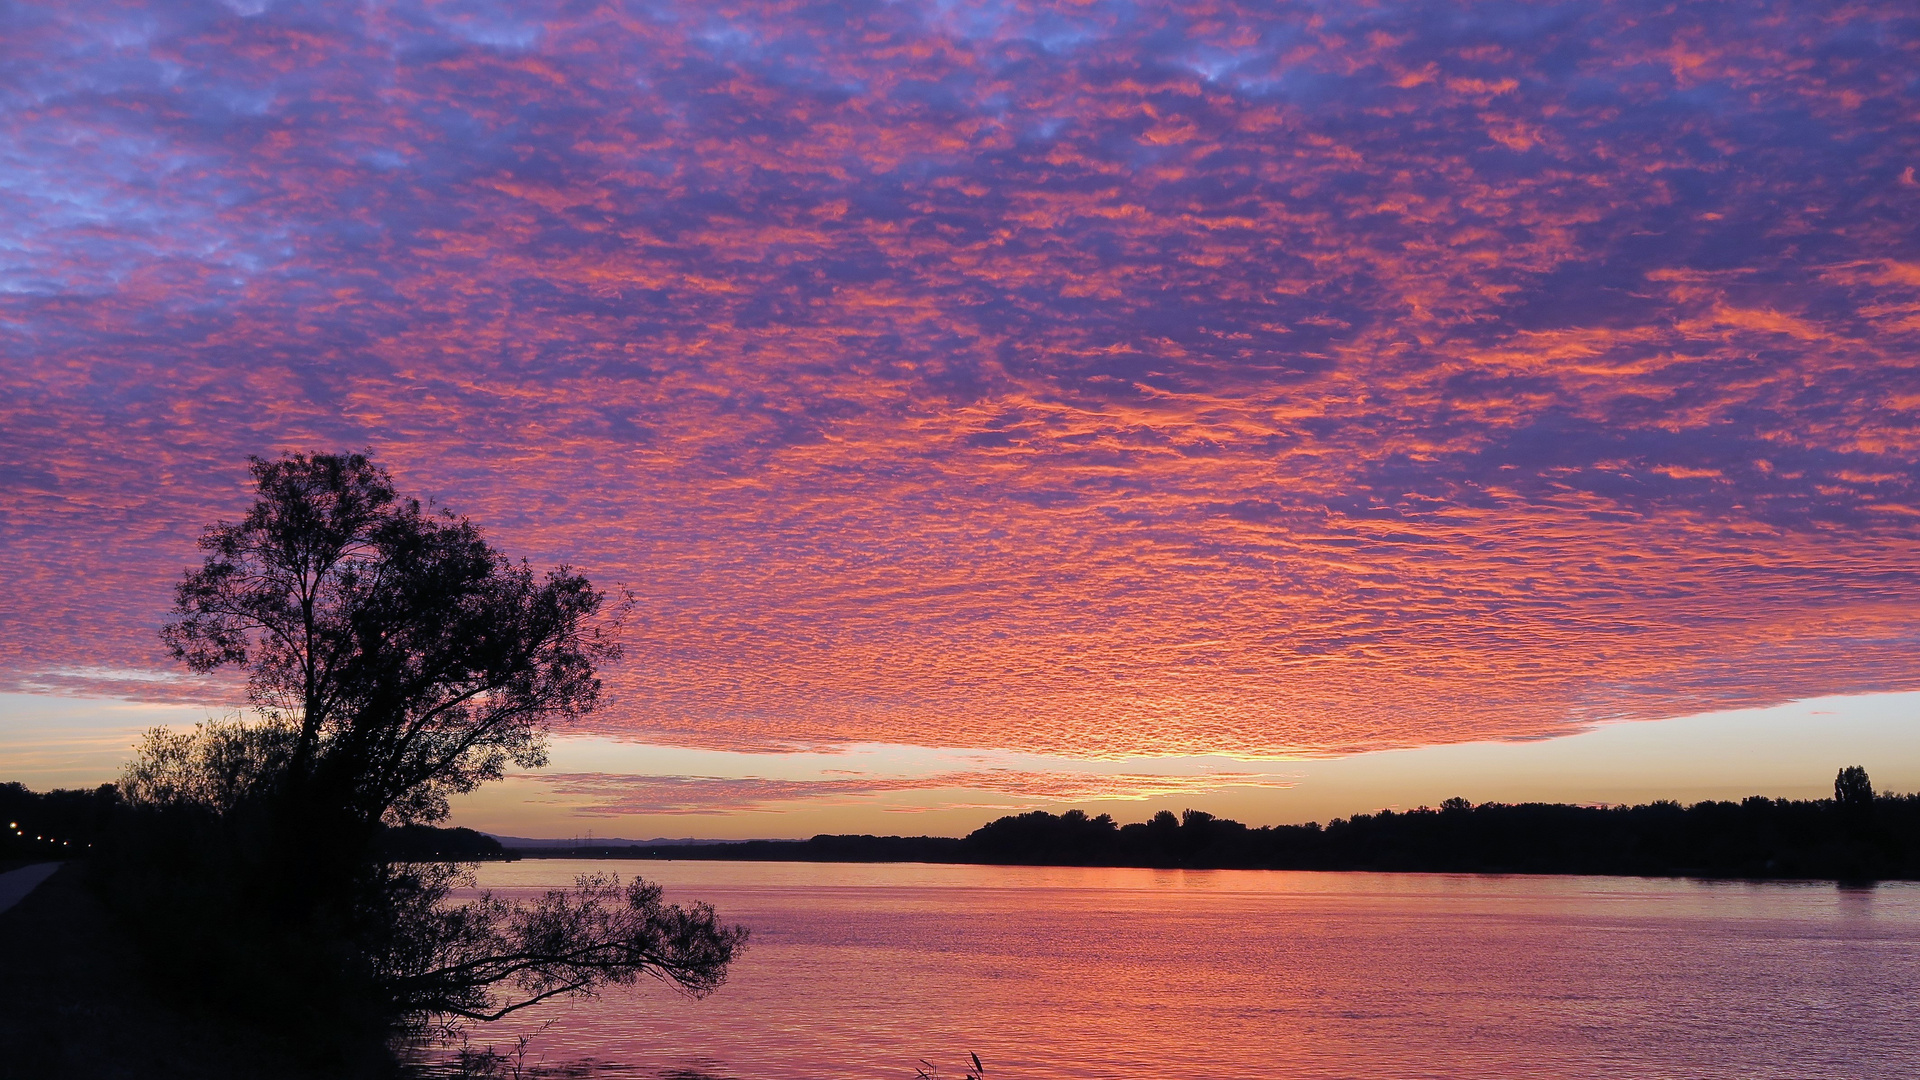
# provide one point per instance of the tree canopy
(410, 659)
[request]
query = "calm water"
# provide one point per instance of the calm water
(1050, 973)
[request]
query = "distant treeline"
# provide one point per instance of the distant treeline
(63, 824)
(53, 825)
(1856, 835)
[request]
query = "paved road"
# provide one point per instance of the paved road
(16, 884)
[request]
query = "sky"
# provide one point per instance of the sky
(1284, 407)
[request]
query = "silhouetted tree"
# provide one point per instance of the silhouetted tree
(395, 659)
(409, 659)
(1852, 789)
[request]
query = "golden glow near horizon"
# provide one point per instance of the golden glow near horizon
(1089, 383)
(610, 787)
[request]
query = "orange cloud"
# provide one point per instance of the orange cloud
(612, 795)
(1103, 381)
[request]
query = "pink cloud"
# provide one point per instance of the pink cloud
(1104, 380)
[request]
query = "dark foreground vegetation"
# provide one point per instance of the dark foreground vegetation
(53, 826)
(66, 824)
(1854, 836)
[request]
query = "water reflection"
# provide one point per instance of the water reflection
(1067, 973)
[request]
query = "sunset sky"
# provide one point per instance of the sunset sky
(1280, 408)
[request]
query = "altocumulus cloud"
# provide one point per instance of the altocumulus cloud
(1091, 379)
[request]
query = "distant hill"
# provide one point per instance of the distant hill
(524, 843)
(819, 849)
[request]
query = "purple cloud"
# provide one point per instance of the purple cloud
(1095, 379)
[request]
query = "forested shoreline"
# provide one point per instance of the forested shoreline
(1855, 836)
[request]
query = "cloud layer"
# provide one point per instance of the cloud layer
(615, 795)
(1092, 379)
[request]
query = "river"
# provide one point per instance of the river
(1051, 973)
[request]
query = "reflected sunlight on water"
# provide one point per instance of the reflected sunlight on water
(1053, 973)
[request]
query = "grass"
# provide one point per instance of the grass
(926, 1071)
